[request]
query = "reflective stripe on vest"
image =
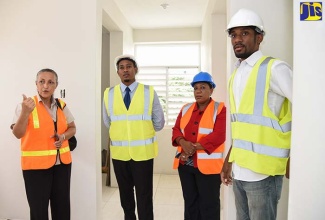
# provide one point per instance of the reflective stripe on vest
(207, 164)
(261, 120)
(44, 152)
(133, 143)
(257, 117)
(130, 117)
(211, 156)
(261, 149)
(132, 134)
(145, 117)
(256, 132)
(37, 148)
(35, 118)
(202, 130)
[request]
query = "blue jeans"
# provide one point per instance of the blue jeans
(258, 200)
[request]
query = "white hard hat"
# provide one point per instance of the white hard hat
(125, 57)
(245, 17)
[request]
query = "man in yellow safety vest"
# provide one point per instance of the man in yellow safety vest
(260, 91)
(133, 114)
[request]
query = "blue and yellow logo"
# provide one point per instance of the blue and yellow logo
(311, 11)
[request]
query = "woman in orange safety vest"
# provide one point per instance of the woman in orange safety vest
(199, 135)
(44, 129)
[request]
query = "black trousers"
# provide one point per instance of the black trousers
(50, 185)
(139, 175)
(201, 194)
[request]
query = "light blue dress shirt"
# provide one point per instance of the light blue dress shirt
(158, 118)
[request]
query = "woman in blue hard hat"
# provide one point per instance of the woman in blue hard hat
(199, 134)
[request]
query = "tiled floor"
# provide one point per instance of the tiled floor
(167, 199)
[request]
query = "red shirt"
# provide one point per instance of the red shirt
(209, 142)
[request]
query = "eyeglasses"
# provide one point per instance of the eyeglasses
(50, 83)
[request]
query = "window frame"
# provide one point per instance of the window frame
(170, 116)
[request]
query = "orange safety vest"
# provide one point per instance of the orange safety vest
(207, 164)
(37, 147)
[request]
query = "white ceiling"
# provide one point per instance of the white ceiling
(148, 14)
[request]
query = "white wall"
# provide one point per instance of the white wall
(307, 179)
(105, 79)
(214, 47)
(33, 36)
(62, 35)
(120, 42)
(214, 53)
(167, 35)
(277, 17)
(219, 56)
(164, 161)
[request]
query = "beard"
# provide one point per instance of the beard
(243, 55)
(126, 80)
(246, 52)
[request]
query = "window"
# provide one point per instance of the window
(170, 69)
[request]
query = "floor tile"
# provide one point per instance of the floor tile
(167, 199)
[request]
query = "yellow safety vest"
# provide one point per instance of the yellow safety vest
(37, 148)
(132, 134)
(207, 163)
(260, 139)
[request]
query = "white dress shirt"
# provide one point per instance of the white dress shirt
(280, 88)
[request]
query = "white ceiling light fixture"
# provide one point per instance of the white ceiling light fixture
(164, 5)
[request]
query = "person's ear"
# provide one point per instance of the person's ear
(260, 38)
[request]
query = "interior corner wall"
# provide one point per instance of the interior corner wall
(105, 80)
(307, 179)
(163, 163)
(219, 56)
(116, 49)
(206, 45)
(118, 23)
(277, 43)
(120, 42)
(121, 35)
(167, 35)
(214, 49)
(33, 37)
(164, 160)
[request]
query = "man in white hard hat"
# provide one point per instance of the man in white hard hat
(260, 91)
(133, 114)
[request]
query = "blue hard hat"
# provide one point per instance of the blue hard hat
(203, 77)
